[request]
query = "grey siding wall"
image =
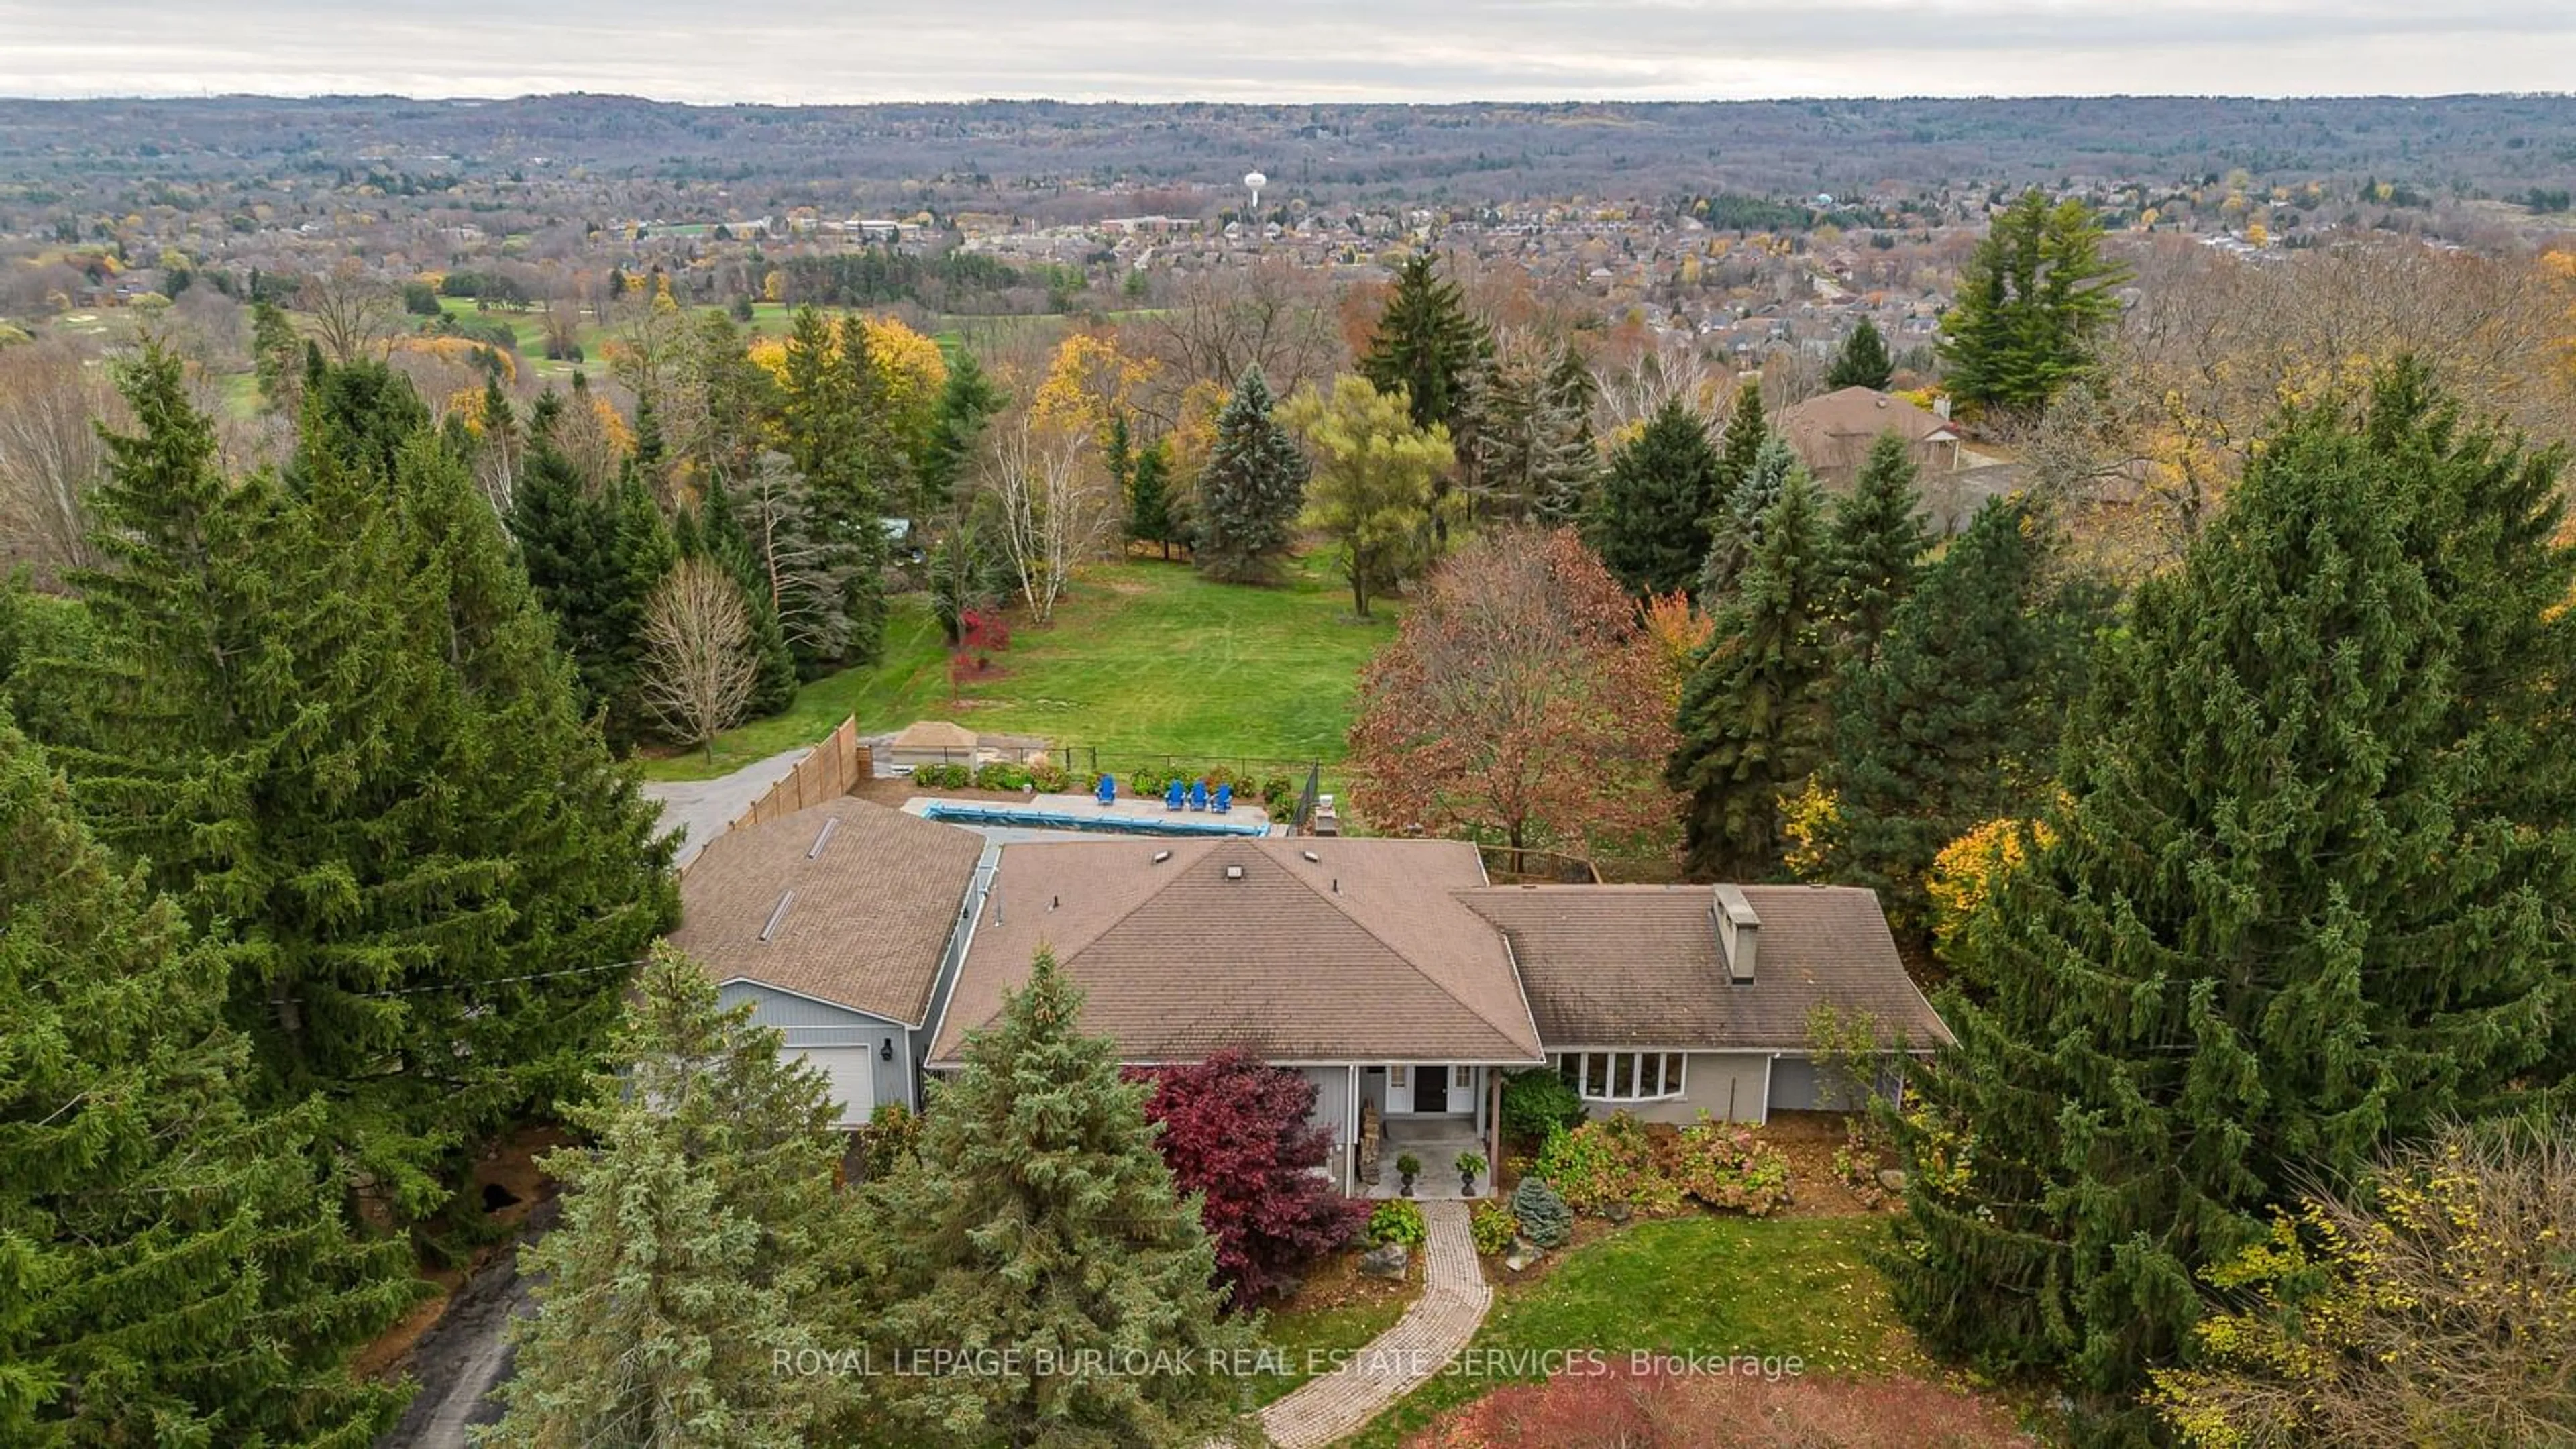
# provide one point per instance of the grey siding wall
(1728, 1085)
(959, 934)
(806, 1023)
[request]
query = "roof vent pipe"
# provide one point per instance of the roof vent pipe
(830, 824)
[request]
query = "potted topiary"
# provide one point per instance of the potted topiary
(1468, 1165)
(1406, 1166)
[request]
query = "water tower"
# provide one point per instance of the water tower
(1254, 181)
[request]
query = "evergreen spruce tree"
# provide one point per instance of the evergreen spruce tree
(1649, 520)
(1862, 360)
(721, 536)
(1039, 1214)
(172, 1268)
(1740, 442)
(277, 357)
(2298, 899)
(966, 401)
(701, 1238)
(1536, 458)
(1878, 546)
(1252, 488)
(361, 413)
(833, 418)
(1735, 534)
(1149, 498)
(1426, 344)
(2034, 302)
(335, 722)
(1752, 712)
(1952, 719)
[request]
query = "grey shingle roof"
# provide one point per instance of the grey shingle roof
(1367, 953)
(872, 911)
(1611, 966)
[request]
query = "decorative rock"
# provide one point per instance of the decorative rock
(1891, 1179)
(1523, 1253)
(1618, 1212)
(1384, 1262)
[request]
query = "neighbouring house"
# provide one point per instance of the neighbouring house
(841, 925)
(1833, 434)
(1390, 972)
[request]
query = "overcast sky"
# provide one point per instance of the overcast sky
(867, 50)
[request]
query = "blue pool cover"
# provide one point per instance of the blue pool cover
(957, 812)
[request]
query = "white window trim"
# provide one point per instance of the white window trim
(1668, 1091)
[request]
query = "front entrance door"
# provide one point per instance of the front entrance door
(1431, 1088)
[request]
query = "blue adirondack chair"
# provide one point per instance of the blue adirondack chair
(1108, 790)
(1174, 794)
(1198, 795)
(1224, 798)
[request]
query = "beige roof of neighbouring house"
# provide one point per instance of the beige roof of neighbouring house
(1612, 966)
(1176, 960)
(935, 734)
(872, 911)
(1860, 412)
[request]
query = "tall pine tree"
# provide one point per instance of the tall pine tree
(1862, 361)
(2300, 896)
(1735, 533)
(1040, 1214)
(1149, 498)
(173, 1269)
(335, 722)
(1752, 712)
(834, 421)
(701, 1238)
(1878, 545)
(1251, 489)
(1952, 719)
(2034, 302)
(1426, 344)
(1649, 521)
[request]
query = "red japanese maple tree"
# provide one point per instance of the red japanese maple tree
(1240, 1131)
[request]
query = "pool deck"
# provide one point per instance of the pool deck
(1252, 818)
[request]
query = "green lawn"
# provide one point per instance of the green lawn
(1143, 659)
(1304, 1339)
(1708, 1286)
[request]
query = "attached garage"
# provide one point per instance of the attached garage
(853, 1073)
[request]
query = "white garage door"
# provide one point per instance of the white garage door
(853, 1072)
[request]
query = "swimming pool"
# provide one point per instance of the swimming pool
(962, 812)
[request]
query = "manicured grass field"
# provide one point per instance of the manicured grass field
(1143, 659)
(1708, 1286)
(1304, 1339)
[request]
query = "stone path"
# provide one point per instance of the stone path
(1454, 1298)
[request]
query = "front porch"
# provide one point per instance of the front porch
(1437, 1141)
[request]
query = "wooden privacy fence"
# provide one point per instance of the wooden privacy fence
(827, 772)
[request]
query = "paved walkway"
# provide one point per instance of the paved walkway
(1454, 1298)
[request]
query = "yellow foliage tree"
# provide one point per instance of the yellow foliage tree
(1970, 869)
(1089, 383)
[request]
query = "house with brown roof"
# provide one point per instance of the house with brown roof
(1833, 434)
(841, 925)
(1390, 972)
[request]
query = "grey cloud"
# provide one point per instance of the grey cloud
(1340, 49)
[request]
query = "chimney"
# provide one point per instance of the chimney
(1739, 932)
